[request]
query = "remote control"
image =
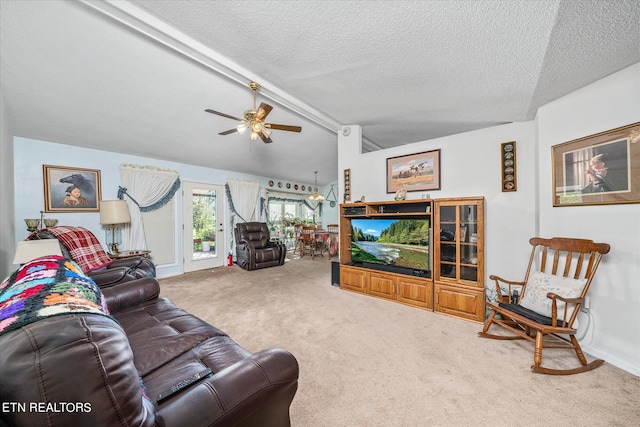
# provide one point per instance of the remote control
(183, 384)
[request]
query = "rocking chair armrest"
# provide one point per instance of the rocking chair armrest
(498, 280)
(554, 307)
(577, 300)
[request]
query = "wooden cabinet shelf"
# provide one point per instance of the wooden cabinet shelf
(456, 287)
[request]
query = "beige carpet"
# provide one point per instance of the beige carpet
(369, 362)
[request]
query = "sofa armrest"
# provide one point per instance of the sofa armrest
(134, 292)
(111, 276)
(257, 390)
(141, 266)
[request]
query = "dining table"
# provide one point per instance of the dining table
(329, 240)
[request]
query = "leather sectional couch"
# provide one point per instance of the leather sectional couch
(108, 369)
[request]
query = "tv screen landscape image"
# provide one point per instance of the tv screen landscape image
(397, 242)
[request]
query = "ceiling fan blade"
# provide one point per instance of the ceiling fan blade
(263, 111)
(283, 127)
(227, 132)
(265, 137)
(223, 115)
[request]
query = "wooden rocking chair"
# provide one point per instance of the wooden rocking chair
(543, 308)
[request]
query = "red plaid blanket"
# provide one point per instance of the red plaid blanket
(83, 246)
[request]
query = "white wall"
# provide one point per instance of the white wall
(7, 224)
(470, 166)
(31, 154)
(615, 295)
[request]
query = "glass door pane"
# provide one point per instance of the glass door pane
(203, 209)
(448, 245)
(468, 242)
(203, 226)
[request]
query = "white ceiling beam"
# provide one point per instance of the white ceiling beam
(143, 22)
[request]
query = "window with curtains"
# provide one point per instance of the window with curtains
(289, 210)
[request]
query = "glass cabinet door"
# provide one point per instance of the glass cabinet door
(459, 242)
(468, 232)
(448, 246)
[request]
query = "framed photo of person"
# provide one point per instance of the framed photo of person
(69, 189)
(598, 169)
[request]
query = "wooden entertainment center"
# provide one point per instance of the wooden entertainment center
(456, 283)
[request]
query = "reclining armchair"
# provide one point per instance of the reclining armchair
(81, 245)
(254, 249)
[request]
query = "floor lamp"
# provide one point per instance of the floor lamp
(112, 214)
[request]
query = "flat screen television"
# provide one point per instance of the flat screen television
(399, 245)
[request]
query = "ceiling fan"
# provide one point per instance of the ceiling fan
(254, 120)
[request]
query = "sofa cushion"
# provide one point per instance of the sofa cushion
(161, 333)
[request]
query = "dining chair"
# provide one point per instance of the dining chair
(309, 242)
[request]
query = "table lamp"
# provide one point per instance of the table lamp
(31, 249)
(112, 214)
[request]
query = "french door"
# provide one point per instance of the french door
(203, 219)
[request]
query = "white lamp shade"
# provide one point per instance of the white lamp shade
(114, 212)
(31, 249)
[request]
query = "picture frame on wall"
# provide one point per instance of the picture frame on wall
(509, 173)
(598, 169)
(71, 189)
(414, 172)
(347, 185)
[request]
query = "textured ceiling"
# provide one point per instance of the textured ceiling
(406, 71)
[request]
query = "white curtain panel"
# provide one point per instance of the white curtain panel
(264, 203)
(147, 185)
(244, 195)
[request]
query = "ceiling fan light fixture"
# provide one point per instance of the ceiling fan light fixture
(256, 126)
(254, 120)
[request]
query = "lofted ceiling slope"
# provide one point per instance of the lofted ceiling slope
(136, 76)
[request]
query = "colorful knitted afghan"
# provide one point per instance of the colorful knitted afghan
(45, 287)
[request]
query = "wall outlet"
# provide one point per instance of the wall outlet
(587, 302)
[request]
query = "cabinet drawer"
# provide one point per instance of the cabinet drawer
(415, 292)
(382, 285)
(353, 279)
(460, 302)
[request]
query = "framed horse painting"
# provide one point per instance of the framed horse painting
(414, 172)
(68, 189)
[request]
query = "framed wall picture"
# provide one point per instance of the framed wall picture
(414, 172)
(347, 185)
(69, 189)
(598, 169)
(508, 158)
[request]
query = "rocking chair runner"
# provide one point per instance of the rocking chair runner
(548, 303)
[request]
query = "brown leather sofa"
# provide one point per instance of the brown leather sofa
(254, 249)
(121, 270)
(86, 369)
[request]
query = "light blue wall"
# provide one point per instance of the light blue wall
(31, 154)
